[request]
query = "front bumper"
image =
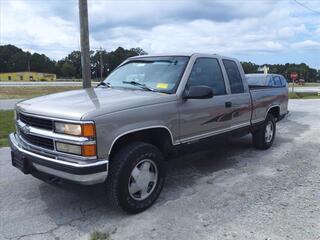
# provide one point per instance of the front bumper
(29, 162)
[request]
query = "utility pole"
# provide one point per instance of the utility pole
(29, 64)
(29, 75)
(84, 39)
(101, 64)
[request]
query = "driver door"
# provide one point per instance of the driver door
(201, 118)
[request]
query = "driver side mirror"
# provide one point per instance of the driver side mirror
(197, 92)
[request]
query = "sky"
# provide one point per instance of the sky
(264, 31)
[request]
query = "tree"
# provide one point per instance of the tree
(41, 63)
(303, 70)
(73, 59)
(18, 62)
(249, 67)
(138, 51)
(111, 59)
(14, 59)
(68, 70)
(6, 53)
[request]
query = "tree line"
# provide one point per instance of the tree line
(303, 70)
(14, 59)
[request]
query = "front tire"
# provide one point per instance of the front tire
(136, 177)
(263, 138)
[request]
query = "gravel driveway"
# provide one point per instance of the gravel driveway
(229, 192)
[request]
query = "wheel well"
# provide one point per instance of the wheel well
(275, 111)
(159, 137)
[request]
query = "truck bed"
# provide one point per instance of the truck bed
(265, 97)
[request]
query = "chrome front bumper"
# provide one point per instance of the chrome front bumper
(86, 173)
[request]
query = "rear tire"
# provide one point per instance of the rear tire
(263, 138)
(136, 177)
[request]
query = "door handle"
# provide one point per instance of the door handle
(228, 104)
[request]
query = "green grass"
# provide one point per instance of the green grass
(96, 235)
(302, 95)
(31, 91)
(6, 126)
(311, 84)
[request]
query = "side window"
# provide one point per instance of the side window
(207, 72)
(277, 81)
(283, 81)
(234, 76)
(271, 82)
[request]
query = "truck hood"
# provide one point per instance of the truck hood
(77, 104)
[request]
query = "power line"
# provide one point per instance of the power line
(306, 7)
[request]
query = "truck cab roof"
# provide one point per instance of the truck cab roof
(181, 55)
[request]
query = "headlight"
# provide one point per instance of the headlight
(85, 130)
(83, 150)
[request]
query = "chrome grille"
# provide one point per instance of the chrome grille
(36, 121)
(38, 141)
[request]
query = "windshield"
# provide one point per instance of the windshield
(161, 74)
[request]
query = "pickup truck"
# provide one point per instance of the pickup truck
(121, 132)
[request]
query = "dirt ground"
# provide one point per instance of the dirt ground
(226, 192)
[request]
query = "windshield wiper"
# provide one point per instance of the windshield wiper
(143, 86)
(106, 84)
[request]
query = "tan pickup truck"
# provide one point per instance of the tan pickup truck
(120, 132)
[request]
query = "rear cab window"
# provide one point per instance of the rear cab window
(234, 76)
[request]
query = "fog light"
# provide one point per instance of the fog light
(84, 150)
(68, 148)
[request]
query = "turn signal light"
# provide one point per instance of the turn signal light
(89, 150)
(88, 130)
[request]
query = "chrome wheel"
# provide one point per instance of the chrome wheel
(269, 132)
(143, 179)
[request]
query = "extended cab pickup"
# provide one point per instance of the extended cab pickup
(120, 132)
